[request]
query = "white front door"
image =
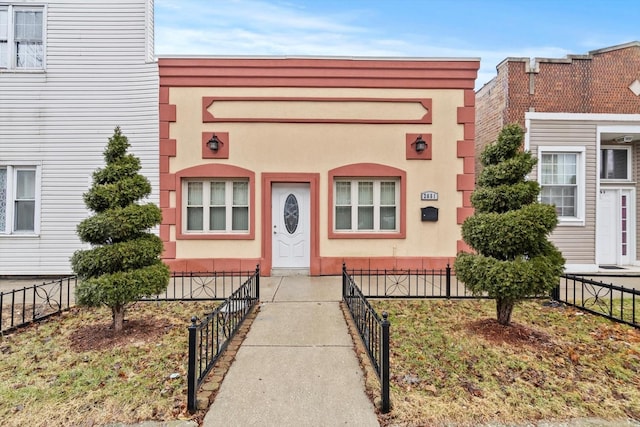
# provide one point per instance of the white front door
(290, 214)
(614, 225)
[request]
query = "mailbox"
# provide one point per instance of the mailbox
(430, 213)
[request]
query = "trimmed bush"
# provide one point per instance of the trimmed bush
(509, 230)
(124, 263)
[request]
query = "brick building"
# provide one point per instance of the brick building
(582, 117)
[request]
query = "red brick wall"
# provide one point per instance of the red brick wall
(612, 73)
(491, 104)
(594, 83)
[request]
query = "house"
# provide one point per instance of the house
(305, 163)
(70, 72)
(582, 119)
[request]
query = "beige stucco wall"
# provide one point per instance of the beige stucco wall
(320, 147)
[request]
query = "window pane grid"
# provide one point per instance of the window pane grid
(22, 37)
(563, 198)
(559, 180)
(25, 203)
(217, 206)
(375, 211)
(3, 199)
(18, 199)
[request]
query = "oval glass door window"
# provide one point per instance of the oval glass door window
(291, 213)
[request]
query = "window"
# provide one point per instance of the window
(614, 163)
(561, 178)
(217, 206)
(365, 205)
(18, 199)
(21, 37)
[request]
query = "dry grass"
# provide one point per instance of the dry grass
(450, 365)
(70, 370)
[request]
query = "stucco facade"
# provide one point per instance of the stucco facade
(318, 161)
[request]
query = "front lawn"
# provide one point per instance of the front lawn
(452, 363)
(72, 370)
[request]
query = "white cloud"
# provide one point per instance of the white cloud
(263, 28)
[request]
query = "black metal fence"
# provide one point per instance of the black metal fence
(605, 299)
(407, 283)
(202, 286)
(210, 336)
(19, 307)
(373, 329)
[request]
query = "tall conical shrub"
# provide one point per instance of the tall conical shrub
(124, 263)
(509, 229)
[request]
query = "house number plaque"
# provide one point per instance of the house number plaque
(429, 195)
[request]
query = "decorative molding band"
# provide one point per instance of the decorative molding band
(316, 110)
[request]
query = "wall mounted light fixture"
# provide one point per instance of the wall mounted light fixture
(419, 144)
(214, 143)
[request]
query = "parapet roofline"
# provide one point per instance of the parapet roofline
(569, 57)
(343, 58)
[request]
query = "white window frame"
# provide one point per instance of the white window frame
(9, 225)
(579, 151)
(11, 54)
(629, 177)
(376, 205)
(206, 205)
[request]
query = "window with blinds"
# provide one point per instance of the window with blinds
(216, 206)
(366, 205)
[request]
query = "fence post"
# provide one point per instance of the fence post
(258, 282)
(448, 281)
(384, 375)
(344, 280)
(192, 380)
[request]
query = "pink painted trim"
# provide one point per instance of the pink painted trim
(212, 264)
(168, 147)
(368, 170)
(168, 112)
(208, 101)
(223, 150)
(317, 72)
(214, 170)
(313, 179)
(333, 265)
(169, 250)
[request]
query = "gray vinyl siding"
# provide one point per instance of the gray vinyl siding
(636, 174)
(98, 76)
(577, 243)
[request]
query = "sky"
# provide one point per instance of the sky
(489, 30)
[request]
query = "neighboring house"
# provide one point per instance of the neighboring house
(582, 117)
(306, 163)
(70, 72)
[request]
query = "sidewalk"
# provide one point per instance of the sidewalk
(296, 367)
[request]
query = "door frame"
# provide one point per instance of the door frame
(268, 179)
(631, 224)
(280, 192)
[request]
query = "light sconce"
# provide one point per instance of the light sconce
(214, 143)
(419, 144)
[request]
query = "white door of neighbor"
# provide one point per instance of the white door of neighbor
(291, 223)
(614, 225)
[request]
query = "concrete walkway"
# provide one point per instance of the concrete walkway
(296, 367)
